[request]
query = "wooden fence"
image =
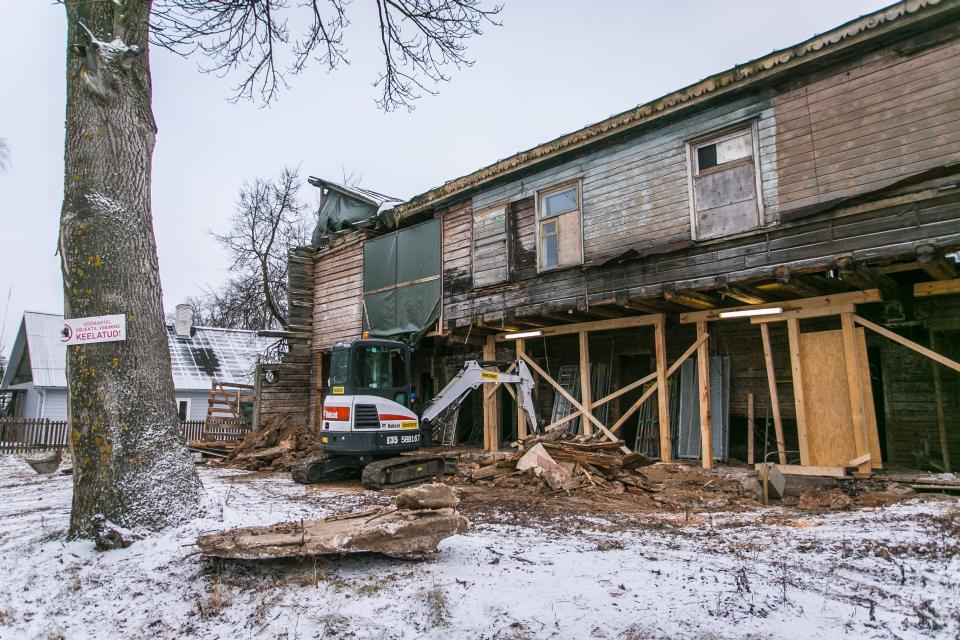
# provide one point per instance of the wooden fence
(25, 434)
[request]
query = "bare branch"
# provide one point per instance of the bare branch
(417, 38)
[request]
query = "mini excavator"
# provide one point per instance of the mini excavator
(368, 418)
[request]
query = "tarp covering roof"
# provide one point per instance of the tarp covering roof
(210, 353)
(344, 208)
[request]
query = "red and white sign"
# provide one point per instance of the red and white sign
(96, 329)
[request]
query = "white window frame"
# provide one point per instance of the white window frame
(693, 170)
(189, 402)
(538, 196)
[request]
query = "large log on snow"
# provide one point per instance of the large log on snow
(391, 531)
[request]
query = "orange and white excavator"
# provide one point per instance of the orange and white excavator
(369, 420)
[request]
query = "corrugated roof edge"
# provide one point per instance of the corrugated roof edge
(837, 39)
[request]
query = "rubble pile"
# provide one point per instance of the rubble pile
(275, 446)
(562, 464)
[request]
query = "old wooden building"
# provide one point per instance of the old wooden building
(759, 265)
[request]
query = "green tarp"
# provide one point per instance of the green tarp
(401, 282)
(338, 212)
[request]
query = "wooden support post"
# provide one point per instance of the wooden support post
(750, 428)
(491, 435)
(796, 367)
(703, 378)
(941, 419)
(855, 389)
(521, 415)
(585, 380)
(774, 396)
(663, 406)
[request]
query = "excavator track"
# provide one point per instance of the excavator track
(312, 469)
(403, 470)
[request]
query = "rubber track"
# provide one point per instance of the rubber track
(371, 473)
(301, 466)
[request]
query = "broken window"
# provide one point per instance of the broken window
(559, 234)
(724, 174)
(490, 262)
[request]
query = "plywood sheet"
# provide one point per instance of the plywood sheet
(829, 422)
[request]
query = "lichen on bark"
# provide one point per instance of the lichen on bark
(130, 462)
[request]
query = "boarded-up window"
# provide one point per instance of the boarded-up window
(724, 174)
(490, 233)
(559, 234)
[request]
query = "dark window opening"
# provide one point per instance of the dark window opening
(706, 157)
(182, 408)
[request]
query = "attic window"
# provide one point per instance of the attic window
(724, 175)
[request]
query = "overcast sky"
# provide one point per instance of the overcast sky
(553, 67)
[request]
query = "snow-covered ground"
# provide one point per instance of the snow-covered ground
(891, 572)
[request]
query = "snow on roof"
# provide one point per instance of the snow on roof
(210, 353)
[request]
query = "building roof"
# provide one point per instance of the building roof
(210, 353)
(856, 32)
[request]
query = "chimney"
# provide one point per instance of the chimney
(183, 323)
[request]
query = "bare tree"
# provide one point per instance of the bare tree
(130, 463)
(4, 156)
(268, 220)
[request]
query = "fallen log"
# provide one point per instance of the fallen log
(391, 531)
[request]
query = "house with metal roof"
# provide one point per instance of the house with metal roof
(199, 356)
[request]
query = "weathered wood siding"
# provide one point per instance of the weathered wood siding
(490, 246)
(883, 116)
(636, 193)
(456, 232)
(338, 294)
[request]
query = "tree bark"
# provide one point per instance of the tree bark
(130, 462)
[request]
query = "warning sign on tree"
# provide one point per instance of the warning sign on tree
(96, 329)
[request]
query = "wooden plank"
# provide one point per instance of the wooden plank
(910, 344)
(521, 414)
(596, 325)
(774, 396)
(829, 390)
(703, 378)
(750, 428)
(869, 406)
(851, 357)
(573, 401)
(491, 439)
(936, 288)
(630, 387)
(808, 470)
(853, 297)
(941, 419)
(663, 400)
(796, 366)
(585, 398)
(800, 314)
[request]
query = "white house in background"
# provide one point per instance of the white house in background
(36, 374)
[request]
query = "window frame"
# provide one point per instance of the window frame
(507, 207)
(693, 171)
(538, 196)
(189, 402)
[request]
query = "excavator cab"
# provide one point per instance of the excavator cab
(371, 367)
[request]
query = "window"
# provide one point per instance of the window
(183, 408)
(490, 253)
(724, 176)
(559, 237)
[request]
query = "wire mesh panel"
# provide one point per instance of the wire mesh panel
(688, 432)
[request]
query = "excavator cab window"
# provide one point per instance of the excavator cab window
(377, 368)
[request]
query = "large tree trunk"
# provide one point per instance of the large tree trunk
(130, 462)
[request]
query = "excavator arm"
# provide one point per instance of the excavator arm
(471, 376)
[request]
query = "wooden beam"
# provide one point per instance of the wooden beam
(693, 299)
(596, 325)
(941, 418)
(584, 340)
(750, 428)
(649, 392)
(853, 297)
(703, 378)
(937, 266)
(521, 414)
(796, 366)
(794, 284)
(855, 390)
(742, 293)
(936, 288)
(630, 387)
(861, 276)
(805, 470)
(491, 436)
(800, 314)
(573, 401)
(910, 344)
(663, 401)
(774, 396)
